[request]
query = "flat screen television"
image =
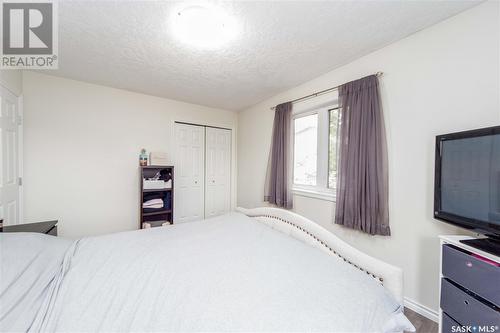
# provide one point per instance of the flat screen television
(467, 184)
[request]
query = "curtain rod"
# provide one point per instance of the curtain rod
(378, 74)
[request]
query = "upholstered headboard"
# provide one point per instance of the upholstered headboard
(301, 228)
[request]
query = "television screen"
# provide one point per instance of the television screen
(468, 184)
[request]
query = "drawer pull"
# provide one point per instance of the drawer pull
(466, 302)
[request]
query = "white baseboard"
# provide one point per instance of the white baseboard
(421, 309)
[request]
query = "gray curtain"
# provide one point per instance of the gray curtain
(278, 177)
(362, 184)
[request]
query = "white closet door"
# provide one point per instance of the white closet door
(218, 172)
(9, 158)
(189, 173)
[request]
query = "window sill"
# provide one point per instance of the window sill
(321, 195)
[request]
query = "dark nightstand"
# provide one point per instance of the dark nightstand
(48, 227)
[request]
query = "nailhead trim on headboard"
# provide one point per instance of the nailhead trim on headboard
(381, 280)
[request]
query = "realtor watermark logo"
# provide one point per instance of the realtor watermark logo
(29, 35)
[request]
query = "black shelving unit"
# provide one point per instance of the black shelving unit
(156, 217)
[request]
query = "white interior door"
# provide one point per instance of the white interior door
(218, 172)
(189, 172)
(9, 157)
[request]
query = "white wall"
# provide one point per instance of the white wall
(12, 79)
(81, 149)
(442, 79)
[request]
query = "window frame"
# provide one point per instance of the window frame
(321, 189)
(337, 108)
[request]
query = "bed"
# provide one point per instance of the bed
(262, 269)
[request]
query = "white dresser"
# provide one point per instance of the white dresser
(469, 288)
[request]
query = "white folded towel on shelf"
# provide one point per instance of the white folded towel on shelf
(153, 203)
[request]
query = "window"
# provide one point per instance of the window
(315, 152)
(305, 151)
(333, 144)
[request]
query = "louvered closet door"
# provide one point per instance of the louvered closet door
(218, 172)
(189, 173)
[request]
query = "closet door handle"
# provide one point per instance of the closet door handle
(196, 182)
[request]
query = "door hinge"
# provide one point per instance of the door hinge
(19, 120)
(20, 181)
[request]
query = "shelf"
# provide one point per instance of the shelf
(165, 213)
(157, 190)
(160, 212)
(156, 224)
(157, 167)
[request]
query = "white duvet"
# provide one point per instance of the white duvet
(229, 273)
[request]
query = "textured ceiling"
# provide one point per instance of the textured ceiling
(129, 45)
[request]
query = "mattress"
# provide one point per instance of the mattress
(229, 273)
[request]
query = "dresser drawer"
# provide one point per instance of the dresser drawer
(465, 308)
(476, 275)
(447, 324)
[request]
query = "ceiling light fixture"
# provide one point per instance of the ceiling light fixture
(204, 26)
